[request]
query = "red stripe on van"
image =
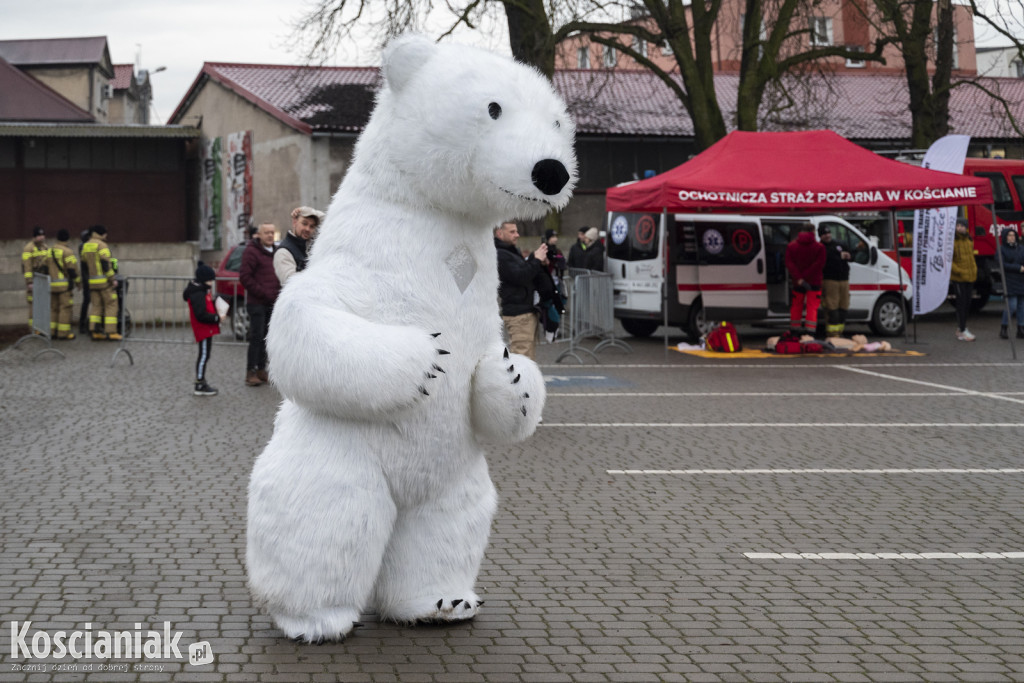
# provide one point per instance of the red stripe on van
(737, 287)
(877, 288)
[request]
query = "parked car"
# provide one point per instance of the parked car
(230, 287)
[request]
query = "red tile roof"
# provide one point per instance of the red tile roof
(123, 74)
(23, 98)
(336, 99)
(858, 107)
(620, 102)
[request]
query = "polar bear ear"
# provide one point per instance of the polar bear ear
(403, 57)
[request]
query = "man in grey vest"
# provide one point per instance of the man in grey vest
(293, 251)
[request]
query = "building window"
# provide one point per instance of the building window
(666, 50)
(855, 63)
(1018, 68)
(821, 30)
(609, 57)
(583, 57)
(640, 46)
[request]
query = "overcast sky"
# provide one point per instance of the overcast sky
(182, 34)
(179, 35)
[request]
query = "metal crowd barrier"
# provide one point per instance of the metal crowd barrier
(153, 311)
(40, 316)
(591, 314)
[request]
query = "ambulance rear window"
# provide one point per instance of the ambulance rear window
(633, 236)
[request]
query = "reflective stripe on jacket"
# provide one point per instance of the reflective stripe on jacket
(63, 265)
(96, 256)
(33, 259)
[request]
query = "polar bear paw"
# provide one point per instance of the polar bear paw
(432, 372)
(508, 397)
(450, 611)
(332, 624)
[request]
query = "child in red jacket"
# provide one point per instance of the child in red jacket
(205, 323)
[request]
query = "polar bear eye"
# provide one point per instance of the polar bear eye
(494, 109)
(558, 124)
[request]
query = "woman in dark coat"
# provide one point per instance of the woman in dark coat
(1013, 279)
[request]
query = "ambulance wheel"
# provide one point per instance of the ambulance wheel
(697, 324)
(639, 327)
(889, 317)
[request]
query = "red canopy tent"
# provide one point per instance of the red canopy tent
(805, 171)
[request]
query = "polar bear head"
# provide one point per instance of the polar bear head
(469, 132)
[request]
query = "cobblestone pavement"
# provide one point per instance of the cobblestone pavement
(673, 519)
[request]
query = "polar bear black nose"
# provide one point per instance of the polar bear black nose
(550, 176)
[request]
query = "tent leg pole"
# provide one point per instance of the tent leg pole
(899, 274)
(664, 305)
(665, 278)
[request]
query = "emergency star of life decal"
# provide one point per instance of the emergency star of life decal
(620, 230)
(713, 241)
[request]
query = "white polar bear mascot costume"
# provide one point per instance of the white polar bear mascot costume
(373, 493)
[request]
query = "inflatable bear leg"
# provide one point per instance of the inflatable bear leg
(317, 531)
(432, 561)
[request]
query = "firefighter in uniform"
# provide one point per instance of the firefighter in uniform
(33, 260)
(103, 297)
(63, 276)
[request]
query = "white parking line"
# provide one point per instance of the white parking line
(969, 392)
(1014, 555)
(788, 365)
(762, 394)
(780, 425)
(970, 470)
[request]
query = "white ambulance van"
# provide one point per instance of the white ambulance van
(732, 267)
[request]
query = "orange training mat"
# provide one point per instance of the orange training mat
(760, 353)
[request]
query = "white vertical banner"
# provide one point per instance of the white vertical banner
(238, 186)
(934, 229)
(210, 194)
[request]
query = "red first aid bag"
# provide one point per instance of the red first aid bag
(724, 338)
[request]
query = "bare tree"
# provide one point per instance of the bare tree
(924, 33)
(776, 42)
(923, 40)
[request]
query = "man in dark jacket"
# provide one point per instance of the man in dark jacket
(261, 290)
(517, 277)
(578, 251)
(835, 282)
(805, 261)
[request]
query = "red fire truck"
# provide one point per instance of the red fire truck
(1007, 179)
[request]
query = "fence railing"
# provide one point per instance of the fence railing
(154, 312)
(40, 316)
(591, 315)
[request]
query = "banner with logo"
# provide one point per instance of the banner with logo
(934, 229)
